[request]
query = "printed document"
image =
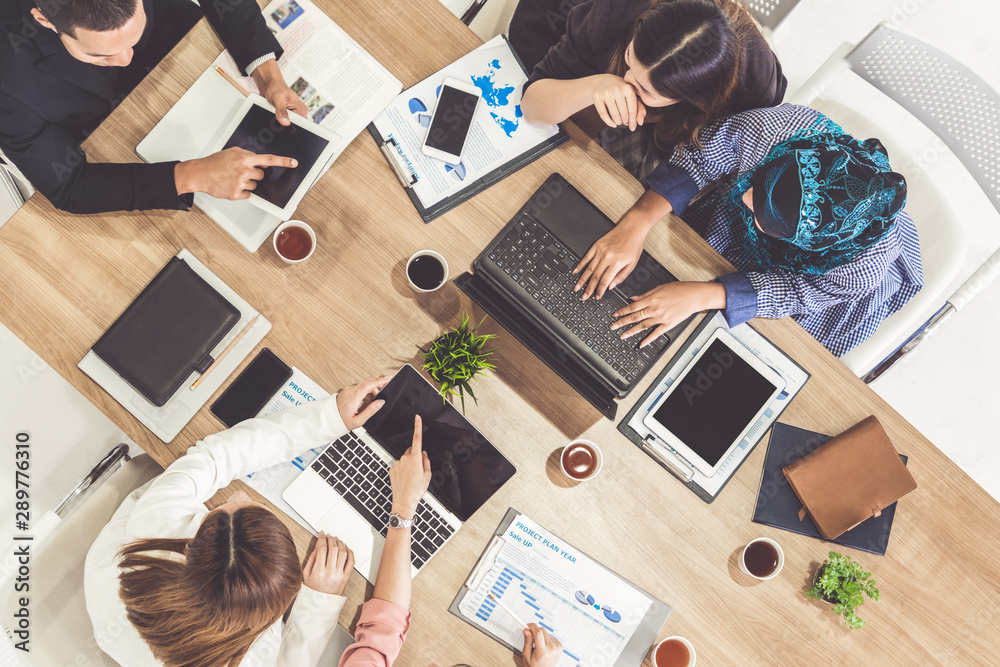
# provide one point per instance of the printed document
(340, 83)
(498, 134)
(542, 580)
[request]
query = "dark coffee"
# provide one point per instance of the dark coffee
(761, 559)
(426, 272)
(579, 461)
(294, 243)
(672, 653)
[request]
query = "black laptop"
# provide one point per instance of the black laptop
(524, 280)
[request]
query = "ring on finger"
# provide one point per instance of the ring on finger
(642, 314)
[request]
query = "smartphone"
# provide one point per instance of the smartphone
(454, 112)
(251, 390)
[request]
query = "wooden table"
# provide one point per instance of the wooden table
(347, 313)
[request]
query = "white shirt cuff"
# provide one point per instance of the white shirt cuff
(260, 61)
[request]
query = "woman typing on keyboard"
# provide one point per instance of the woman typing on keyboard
(169, 582)
(811, 218)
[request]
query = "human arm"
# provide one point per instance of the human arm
(241, 26)
(314, 615)
(732, 145)
(385, 618)
(51, 158)
(540, 648)
(572, 75)
(555, 100)
(178, 495)
(613, 257)
(660, 309)
(776, 294)
(229, 174)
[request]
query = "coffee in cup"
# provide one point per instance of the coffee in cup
(294, 241)
(426, 271)
(762, 559)
(674, 652)
(581, 460)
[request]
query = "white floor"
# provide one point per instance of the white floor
(947, 390)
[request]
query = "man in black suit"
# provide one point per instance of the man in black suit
(66, 64)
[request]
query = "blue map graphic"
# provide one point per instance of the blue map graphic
(498, 97)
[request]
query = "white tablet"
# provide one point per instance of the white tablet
(709, 408)
(255, 129)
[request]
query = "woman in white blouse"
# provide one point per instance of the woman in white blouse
(202, 587)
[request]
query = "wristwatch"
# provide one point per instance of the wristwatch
(396, 521)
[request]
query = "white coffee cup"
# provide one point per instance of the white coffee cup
(301, 225)
(690, 647)
(427, 253)
(598, 456)
(777, 547)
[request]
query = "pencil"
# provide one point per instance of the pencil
(225, 352)
(233, 81)
(509, 612)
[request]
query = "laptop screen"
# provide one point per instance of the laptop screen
(467, 468)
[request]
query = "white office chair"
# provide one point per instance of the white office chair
(769, 13)
(965, 113)
(23, 185)
(61, 632)
(14, 189)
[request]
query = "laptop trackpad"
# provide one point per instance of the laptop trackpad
(342, 521)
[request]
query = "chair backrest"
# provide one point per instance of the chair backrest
(61, 631)
(769, 13)
(24, 188)
(942, 93)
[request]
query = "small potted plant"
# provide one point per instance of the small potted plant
(454, 359)
(843, 583)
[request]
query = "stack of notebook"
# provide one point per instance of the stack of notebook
(778, 506)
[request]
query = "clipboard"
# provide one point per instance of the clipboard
(408, 178)
(664, 456)
(639, 643)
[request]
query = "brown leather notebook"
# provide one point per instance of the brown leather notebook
(851, 478)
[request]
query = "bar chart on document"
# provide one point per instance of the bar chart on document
(541, 580)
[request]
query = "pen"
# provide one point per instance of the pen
(509, 612)
(225, 352)
(233, 81)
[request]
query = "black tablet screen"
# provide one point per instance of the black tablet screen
(714, 402)
(467, 468)
(259, 132)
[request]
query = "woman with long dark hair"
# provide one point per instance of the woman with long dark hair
(655, 74)
(170, 583)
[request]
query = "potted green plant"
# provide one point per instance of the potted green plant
(843, 583)
(456, 358)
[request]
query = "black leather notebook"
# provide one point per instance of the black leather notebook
(167, 332)
(778, 506)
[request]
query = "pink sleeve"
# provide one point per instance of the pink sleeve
(380, 634)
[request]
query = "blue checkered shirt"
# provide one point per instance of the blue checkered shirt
(840, 308)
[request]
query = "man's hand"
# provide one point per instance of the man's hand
(617, 103)
(229, 174)
(274, 89)
(662, 308)
(356, 402)
(540, 648)
(329, 565)
(410, 475)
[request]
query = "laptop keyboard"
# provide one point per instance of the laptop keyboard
(542, 267)
(359, 475)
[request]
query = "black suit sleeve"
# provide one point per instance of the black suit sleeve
(241, 27)
(50, 156)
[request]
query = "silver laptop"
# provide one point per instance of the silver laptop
(346, 490)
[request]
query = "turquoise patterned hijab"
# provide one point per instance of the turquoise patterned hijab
(823, 196)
